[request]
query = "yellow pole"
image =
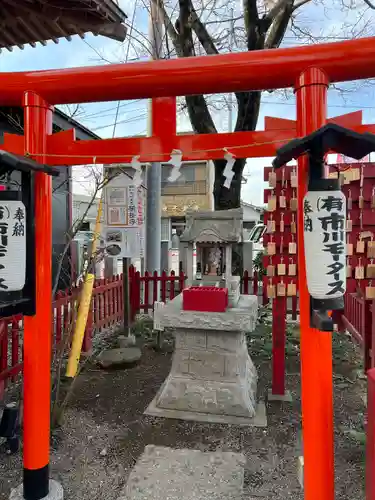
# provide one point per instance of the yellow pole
(84, 305)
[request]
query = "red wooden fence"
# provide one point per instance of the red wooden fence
(106, 310)
(359, 320)
(10, 350)
(370, 436)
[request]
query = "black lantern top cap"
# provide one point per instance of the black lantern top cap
(10, 162)
(330, 138)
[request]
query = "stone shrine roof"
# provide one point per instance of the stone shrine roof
(221, 226)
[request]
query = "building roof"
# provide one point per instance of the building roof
(61, 121)
(254, 207)
(30, 21)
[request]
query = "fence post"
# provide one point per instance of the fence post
(126, 274)
(155, 289)
(367, 333)
(3, 354)
(245, 281)
(181, 281)
(294, 307)
(370, 436)
(279, 311)
(137, 294)
(57, 308)
(147, 291)
(87, 339)
(265, 299)
(164, 286)
(255, 283)
(172, 286)
(15, 343)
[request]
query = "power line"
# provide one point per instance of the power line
(126, 60)
(345, 106)
(127, 103)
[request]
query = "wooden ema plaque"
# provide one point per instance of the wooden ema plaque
(280, 239)
(358, 185)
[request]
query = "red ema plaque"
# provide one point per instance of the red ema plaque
(205, 299)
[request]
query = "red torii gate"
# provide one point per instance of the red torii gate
(308, 69)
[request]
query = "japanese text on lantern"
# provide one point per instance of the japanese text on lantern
(324, 215)
(12, 245)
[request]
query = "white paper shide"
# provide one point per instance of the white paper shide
(325, 243)
(12, 246)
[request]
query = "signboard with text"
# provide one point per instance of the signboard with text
(12, 245)
(123, 218)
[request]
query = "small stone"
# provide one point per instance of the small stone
(342, 385)
(124, 341)
(112, 358)
(104, 452)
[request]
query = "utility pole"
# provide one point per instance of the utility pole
(153, 219)
(230, 97)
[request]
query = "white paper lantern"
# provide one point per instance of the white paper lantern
(325, 243)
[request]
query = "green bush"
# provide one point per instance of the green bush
(258, 265)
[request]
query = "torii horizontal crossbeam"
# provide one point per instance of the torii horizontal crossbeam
(63, 149)
(235, 72)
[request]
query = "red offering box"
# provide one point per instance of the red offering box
(205, 299)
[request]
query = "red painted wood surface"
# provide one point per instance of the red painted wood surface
(359, 320)
(205, 299)
(370, 436)
(279, 313)
(223, 73)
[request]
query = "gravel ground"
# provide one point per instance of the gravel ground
(104, 431)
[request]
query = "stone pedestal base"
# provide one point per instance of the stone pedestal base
(212, 373)
(287, 397)
(55, 492)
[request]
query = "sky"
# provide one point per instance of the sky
(325, 22)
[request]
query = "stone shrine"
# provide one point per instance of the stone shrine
(214, 234)
(212, 377)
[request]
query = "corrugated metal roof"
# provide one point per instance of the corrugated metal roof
(25, 22)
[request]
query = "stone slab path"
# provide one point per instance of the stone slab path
(168, 474)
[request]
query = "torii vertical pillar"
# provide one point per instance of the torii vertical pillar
(37, 329)
(316, 346)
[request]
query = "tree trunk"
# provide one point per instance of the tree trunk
(225, 199)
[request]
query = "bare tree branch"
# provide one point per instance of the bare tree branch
(172, 32)
(199, 115)
(202, 33)
(300, 4)
(250, 15)
(276, 9)
(183, 28)
(370, 4)
(279, 26)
